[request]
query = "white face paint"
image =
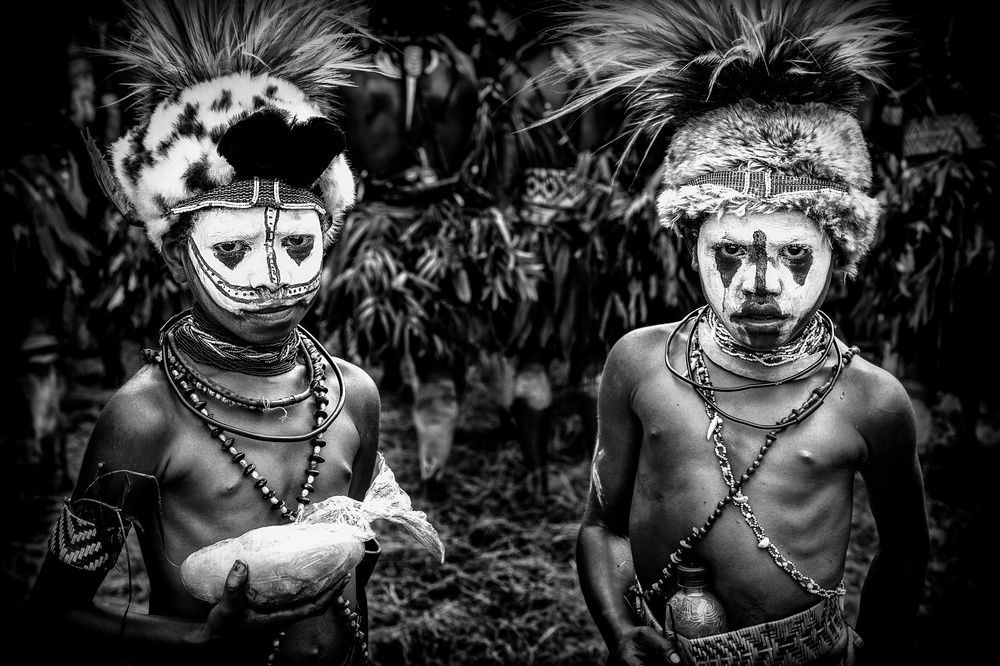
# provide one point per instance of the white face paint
(595, 475)
(255, 271)
(257, 260)
(765, 275)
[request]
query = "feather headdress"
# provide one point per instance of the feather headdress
(238, 104)
(761, 95)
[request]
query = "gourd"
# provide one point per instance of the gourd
(296, 561)
(285, 562)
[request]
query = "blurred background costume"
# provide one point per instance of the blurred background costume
(584, 206)
(49, 249)
(427, 258)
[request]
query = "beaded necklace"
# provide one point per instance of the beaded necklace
(797, 414)
(809, 341)
(702, 383)
(352, 618)
(183, 380)
(211, 344)
(227, 397)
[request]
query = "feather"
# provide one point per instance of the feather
(674, 60)
(176, 44)
(107, 181)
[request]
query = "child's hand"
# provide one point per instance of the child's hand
(643, 646)
(233, 616)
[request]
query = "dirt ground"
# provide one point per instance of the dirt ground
(508, 592)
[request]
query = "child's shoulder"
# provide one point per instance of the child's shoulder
(136, 423)
(639, 345)
(874, 390)
(360, 385)
(144, 405)
(878, 384)
(639, 340)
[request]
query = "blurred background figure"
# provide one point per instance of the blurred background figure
(426, 258)
(49, 259)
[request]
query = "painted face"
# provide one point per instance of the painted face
(258, 270)
(765, 275)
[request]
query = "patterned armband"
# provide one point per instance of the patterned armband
(83, 544)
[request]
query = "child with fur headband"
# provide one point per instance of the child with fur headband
(731, 439)
(241, 420)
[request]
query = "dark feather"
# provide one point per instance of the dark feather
(107, 181)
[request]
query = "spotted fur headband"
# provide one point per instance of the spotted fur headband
(238, 108)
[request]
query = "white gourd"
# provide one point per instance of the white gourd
(285, 562)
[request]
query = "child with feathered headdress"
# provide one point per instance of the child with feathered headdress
(242, 439)
(729, 441)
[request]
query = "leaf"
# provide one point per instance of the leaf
(460, 281)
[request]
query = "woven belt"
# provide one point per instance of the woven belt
(798, 639)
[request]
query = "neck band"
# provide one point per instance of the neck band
(208, 343)
(812, 339)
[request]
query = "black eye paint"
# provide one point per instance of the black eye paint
(727, 265)
(229, 254)
(800, 267)
(758, 256)
(299, 247)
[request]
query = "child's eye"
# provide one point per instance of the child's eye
(298, 247)
(296, 241)
(230, 253)
(796, 252)
(730, 250)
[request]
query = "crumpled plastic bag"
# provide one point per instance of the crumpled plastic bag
(384, 499)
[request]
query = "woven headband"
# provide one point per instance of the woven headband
(765, 184)
(252, 194)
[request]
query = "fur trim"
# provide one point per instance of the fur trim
(806, 140)
(338, 191)
(202, 67)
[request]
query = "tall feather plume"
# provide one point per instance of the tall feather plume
(677, 59)
(179, 43)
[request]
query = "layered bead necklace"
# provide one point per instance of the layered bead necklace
(698, 377)
(209, 343)
(186, 382)
(811, 340)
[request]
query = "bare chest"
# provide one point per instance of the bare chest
(799, 482)
(219, 485)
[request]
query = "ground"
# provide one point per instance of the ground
(508, 592)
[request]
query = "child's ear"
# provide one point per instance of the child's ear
(690, 237)
(173, 251)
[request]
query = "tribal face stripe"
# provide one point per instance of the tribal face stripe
(245, 264)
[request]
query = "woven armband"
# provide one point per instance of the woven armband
(83, 544)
